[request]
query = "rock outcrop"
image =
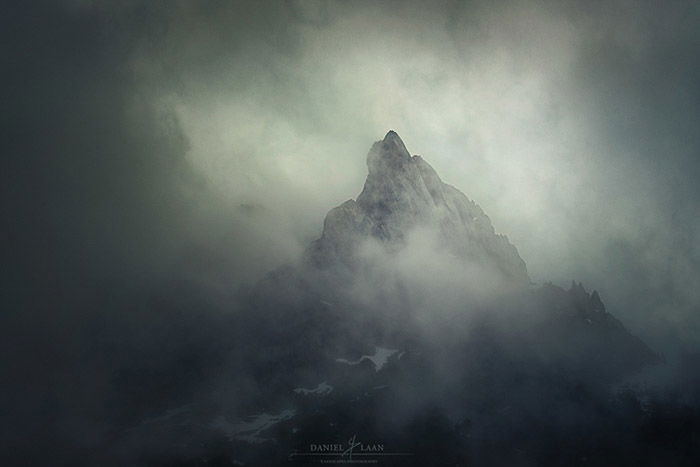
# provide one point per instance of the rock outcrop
(402, 193)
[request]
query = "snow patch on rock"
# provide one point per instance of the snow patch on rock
(322, 389)
(379, 359)
(250, 429)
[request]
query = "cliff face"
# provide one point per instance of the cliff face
(402, 193)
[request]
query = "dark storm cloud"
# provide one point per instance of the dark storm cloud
(97, 196)
(640, 74)
(157, 155)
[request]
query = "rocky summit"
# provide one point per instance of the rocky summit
(403, 193)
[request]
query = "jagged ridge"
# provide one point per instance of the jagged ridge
(403, 192)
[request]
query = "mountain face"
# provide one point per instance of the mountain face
(402, 193)
(412, 256)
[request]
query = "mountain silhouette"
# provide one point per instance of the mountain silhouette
(411, 317)
(412, 325)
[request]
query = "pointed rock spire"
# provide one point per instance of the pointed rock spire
(388, 154)
(402, 193)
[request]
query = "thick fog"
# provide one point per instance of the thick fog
(160, 157)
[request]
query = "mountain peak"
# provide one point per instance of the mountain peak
(387, 154)
(402, 193)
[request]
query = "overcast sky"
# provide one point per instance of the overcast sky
(207, 140)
